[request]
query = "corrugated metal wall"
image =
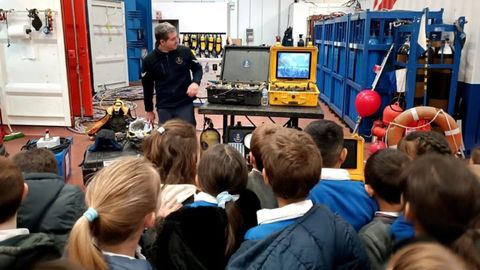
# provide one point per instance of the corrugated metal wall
(470, 64)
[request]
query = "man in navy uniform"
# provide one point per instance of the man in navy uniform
(168, 69)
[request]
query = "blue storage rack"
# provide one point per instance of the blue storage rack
(138, 17)
(412, 64)
(349, 48)
(332, 40)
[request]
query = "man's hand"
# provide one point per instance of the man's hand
(192, 89)
(150, 117)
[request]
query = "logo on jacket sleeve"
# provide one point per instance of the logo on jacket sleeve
(179, 60)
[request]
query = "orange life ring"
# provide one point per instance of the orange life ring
(452, 133)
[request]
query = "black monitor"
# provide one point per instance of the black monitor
(351, 159)
(293, 65)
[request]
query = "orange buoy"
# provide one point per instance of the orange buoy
(397, 127)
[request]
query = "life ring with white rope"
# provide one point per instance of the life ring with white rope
(397, 127)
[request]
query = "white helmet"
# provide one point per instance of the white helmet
(138, 129)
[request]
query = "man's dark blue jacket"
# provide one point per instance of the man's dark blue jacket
(169, 73)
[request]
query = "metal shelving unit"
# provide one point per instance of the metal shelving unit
(413, 64)
(350, 46)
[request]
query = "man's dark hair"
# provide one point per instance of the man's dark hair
(11, 189)
(328, 136)
(382, 173)
(37, 160)
(162, 30)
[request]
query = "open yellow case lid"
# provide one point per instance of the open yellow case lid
(293, 64)
(354, 161)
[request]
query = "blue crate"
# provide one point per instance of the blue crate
(64, 160)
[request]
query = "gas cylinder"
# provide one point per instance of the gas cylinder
(404, 50)
(374, 147)
(390, 112)
(300, 42)
(441, 78)
(428, 56)
(210, 45)
(186, 40)
(218, 45)
(193, 44)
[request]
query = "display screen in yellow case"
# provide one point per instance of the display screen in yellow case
(293, 65)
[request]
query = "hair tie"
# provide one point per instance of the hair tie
(91, 214)
(161, 130)
(224, 197)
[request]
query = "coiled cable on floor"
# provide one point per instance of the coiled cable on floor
(104, 99)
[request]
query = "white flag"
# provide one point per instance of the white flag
(401, 78)
(422, 33)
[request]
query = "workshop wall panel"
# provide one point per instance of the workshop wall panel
(108, 44)
(33, 77)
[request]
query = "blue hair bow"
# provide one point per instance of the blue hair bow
(224, 197)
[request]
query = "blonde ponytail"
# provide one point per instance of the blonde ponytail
(81, 247)
(120, 196)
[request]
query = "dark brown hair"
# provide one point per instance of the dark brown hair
(382, 173)
(419, 143)
(37, 160)
(444, 198)
(425, 256)
(328, 136)
(293, 164)
(260, 137)
(60, 264)
(222, 168)
(476, 155)
(174, 152)
(11, 189)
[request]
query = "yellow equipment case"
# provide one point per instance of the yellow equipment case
(292, 76)
(354, 161)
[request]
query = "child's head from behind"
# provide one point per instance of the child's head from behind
(475, 156)
(382, 174)
(441, 197)
(37, 160)
(293, 164)
(260, 137)
(222, 168)
(173, 148)
(12, 189)
(425, 256)
(328, 136)
(222, 172)
(418, 143)
(122, 200)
